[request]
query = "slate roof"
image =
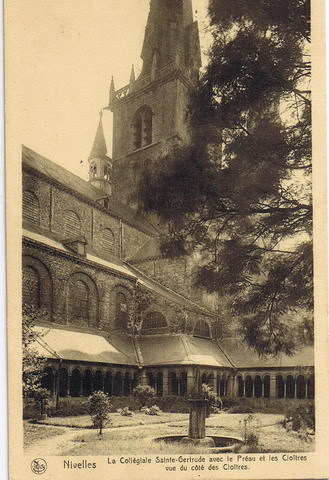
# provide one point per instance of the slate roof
(80, 346)
(52, 241)
(243, 357)
(150, 250)
(182, 350)
(99, 149)
(76, 184)
(167, 292)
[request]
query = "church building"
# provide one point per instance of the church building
(113, 312)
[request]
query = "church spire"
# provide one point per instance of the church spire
(171, 36)
(100, 165)
(99, 149)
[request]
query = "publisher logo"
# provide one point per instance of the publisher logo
(38, 466)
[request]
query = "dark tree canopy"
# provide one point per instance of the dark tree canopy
(241, 192)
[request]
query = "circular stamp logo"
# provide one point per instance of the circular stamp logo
(38, 466)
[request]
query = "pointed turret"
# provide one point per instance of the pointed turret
(100, 165)
(132, 79)
(111, 93)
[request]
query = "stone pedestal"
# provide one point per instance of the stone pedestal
(197, 425)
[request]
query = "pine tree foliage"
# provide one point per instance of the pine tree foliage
(241, 192)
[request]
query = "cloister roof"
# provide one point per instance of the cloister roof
(244, 357)
(73, 344)
(182, 350)
(84, 347)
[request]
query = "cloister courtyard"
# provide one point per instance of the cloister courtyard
(75, 435)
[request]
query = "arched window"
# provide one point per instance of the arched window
(310, 387)
(173, 383)
(121, 311)
(258, 386)
(37, 285)
(76, 383)
(108, 383)
(79, 300)
(63, 382)
(31, 207)
(159, 383)
(107, 240)
(48, 380)
(267, 386)
(300, 386)
(280, 386)
(249, 386)
(72, 225)
(143, 127)
(107, 171)
(93, 170)
(82, 300)
(222, 389)
(240, 386)
(202, 329)
(290, 387)
(98, 381)
(183, 383)
(31, 287)
(154, 320)
(87, 383)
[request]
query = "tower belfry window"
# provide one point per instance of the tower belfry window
(143, 127)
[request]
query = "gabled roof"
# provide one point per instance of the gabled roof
(243, 357)
(182, 350)
(77, 185)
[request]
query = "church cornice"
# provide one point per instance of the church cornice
(74, 258)
(144, 85)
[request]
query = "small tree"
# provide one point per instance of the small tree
(212, 398)
(99, 409)
(143, 393)
(41, 399)
(33, 362)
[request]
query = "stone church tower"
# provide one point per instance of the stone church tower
(150, 114)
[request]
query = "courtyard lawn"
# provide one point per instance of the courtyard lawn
(116, 420)
(33, 433)
(134, 435)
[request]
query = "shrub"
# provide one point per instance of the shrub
(173, 404)
(126, 412)
(144, 393)
(99, 409)
(214, 402)
(41, 399)
(250, 431)
(241, 409)
(228, 402)
(301, 418)
(154, 410)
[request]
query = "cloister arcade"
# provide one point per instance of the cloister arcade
(77, 381)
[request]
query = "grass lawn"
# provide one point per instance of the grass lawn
(116, 420)
(34, 433)
(134, 435)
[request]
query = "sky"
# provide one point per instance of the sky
(68, 52)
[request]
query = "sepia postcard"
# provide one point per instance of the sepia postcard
(166, 239)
